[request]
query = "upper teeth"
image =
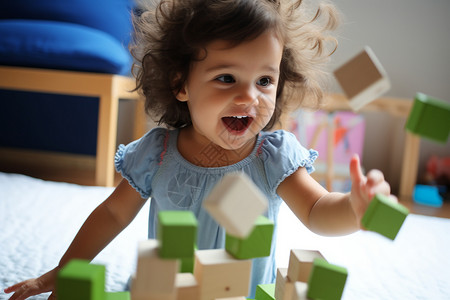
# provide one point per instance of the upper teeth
(240, 117)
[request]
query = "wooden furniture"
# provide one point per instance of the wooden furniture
(398, 107)
(108, 88)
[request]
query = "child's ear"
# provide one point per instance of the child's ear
(182, 95)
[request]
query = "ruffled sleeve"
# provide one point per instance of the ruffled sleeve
(139, 160)
(282, 155)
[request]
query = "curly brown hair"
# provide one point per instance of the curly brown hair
(169, 35)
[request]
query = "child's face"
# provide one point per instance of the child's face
(231, 93)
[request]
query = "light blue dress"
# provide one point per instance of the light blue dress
(156, 169)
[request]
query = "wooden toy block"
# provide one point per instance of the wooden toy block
(265, 291)
(235, 203)
(118, 296)
(430, 118)
(384, 216)
(300, 291)
(177, 232)
(187, 287)
(301, 263)
(284, 288)
(155, 277)
(362, 78)
(232, 298)
(257, 244)
(220, 275)
(327, 281)
(81, 280)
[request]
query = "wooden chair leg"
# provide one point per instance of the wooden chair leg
(410, 165)
(106, 139)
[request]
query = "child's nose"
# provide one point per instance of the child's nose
(247, 95)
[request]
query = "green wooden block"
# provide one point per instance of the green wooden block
(118, 296)
(326, 281)
(81, 280)
(265, 292)
(429, 118)
(177, 232)
(257, 244)
(384, 216)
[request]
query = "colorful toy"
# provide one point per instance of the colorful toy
(427, 195)
(362, 78)
(257, 244)
(429, 118)
(265, 292)
(220, 275)
(384, 216)
(327, 281)
(177, 233)
(235, 203)
(301, 264)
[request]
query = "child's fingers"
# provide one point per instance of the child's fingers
(377, 184)
(355, 170)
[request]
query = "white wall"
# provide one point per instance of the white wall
(411, 38)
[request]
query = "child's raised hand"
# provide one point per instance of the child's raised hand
(364, 188)
(35, 286)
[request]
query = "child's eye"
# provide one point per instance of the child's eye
(264, 81)
(226, 79)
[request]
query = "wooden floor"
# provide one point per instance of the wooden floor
(86, 177)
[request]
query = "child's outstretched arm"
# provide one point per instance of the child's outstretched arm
(100, 228)
(328, 213)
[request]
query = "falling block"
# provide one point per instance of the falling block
(362, 78)
(284, 288)
(81, 280)
(300, 291)
(220, 275)
(177, 232)
(430, 118)
(257, 244)
(155, 276)
(186, 286)
(384, 216)
(265, 291)
(235, 203)
(118, 296)
(301, 264)
(324, 274)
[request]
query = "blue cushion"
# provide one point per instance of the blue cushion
(64, 46)
(111, 16)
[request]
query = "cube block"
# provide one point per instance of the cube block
(265, 291)
(177, 232)
(301, 264)
(118, 296)
(384, 216)
(235, 203)
(187, 287)
(81, 280)
(220, 275)
(155, 277)
(257, 244)
(327, 281)
(362, 78)
(284, 288)
(430, 118)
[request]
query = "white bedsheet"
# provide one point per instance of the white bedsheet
(38, 220)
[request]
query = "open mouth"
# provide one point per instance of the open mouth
(237, 124)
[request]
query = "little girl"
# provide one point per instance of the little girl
(218, 74)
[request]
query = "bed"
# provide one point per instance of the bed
(38, 220)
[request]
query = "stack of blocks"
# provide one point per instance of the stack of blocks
(309, 276)
(171, 269)
(81, 280)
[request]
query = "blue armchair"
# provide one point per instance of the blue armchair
(76, 47)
